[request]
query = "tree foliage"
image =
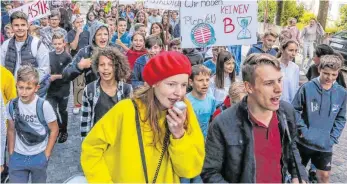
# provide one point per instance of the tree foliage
(272, 8)
(291, 9)
(342, 23)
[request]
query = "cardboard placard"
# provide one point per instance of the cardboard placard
(218, 23)
(35, 10)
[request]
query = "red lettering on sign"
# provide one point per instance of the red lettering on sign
(45, 7)
(228, 26)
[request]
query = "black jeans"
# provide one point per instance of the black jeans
(61, 104)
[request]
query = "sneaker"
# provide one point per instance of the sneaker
(63, 137)
(312, 176)
(76, 110)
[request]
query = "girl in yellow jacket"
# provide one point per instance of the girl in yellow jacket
(171, 139)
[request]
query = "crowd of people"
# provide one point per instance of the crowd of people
(153, 111)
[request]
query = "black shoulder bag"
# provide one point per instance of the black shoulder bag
(143, 157)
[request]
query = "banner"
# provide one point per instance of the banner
(163, 4)
(127, 1)
(218, 23)
(35, 10)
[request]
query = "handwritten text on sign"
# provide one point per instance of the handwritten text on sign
(163, 4)
(218, 22)
(34, 10)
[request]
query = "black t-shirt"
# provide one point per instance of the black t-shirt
(57, 63)
(104, 104)
(83, 40)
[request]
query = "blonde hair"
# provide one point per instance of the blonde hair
(236, 89)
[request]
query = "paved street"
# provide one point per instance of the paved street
(65, 159)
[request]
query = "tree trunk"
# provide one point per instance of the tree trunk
(323, 12)
(279, 12)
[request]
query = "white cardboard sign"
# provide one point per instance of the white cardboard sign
(218, 23)
(35, 10)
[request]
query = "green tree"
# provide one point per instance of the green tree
(323, 12)
(271, 10)
(291, 9)
(279, 12)
(342, 23)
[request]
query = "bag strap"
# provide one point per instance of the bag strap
(12, 106)
(142, 150)
(290, 142)
(40, 113)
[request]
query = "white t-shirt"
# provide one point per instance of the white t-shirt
(29, 114)
(19, 46)
(219, 94)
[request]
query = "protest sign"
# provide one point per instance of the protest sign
(35, 10)
(217, 22)
(163, 4)
(127, 1)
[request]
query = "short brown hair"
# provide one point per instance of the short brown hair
(333, 62)
(199, 69)
(28, 73)
(18, 15)
(270, 33)
(57, 35)
(253, 61)
(173, 42)
(54, 13)
(120, 62)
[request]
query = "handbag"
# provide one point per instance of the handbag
(142, 151)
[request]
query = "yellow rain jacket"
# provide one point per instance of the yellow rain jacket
(111, 153)
(8, 85)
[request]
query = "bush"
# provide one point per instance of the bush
(332, 30)
(306, 17)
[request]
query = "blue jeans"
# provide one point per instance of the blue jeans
(197, 179)
(21, 166)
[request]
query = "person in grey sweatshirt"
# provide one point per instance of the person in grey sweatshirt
(321, 104)
(310, 35)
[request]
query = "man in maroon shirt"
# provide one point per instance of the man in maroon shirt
(251, 142)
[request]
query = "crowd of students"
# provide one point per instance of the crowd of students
(259, 127)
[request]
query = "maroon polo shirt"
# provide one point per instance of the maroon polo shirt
(267, 150)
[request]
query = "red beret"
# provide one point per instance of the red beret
(164, 65)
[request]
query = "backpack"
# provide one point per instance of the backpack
(25, 132)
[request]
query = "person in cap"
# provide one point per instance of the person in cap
(147, 138)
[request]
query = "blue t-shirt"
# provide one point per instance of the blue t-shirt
(126, 39)
(203, 109)
(210, 64)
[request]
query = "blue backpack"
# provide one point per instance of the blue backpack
(24, 131)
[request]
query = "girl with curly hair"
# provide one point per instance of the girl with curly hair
(101, 95)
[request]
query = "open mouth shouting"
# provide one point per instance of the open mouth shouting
(275, 100)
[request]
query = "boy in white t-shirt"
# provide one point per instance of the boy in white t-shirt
(32, 130)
